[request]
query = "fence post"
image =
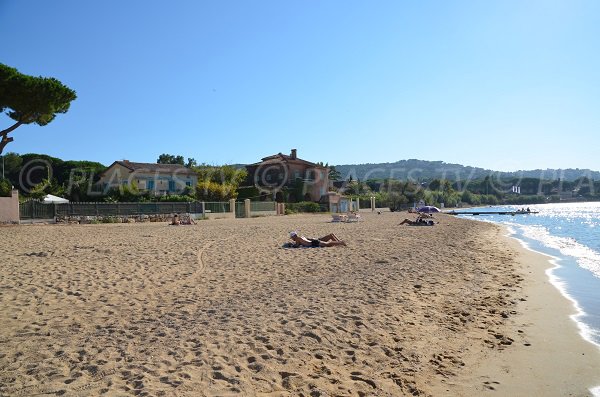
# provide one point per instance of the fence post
(232, 207)
(203, 206)
(247, 209)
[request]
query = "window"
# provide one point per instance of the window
(150, 185)
(188, 183)
(171, 186)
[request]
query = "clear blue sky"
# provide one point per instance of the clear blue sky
(505, 85)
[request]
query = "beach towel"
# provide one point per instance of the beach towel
(292, 245)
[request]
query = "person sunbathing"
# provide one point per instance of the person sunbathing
(187, 220)
(418, 222)
(331, 240)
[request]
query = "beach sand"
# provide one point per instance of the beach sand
(220, 309)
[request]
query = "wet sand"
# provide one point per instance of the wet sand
(220, 308)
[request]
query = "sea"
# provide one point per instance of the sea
(570, 234)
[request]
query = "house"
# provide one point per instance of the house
(289, 178)
(158, 179)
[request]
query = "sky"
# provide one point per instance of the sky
(500, 84)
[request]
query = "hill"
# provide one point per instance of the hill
(423, 170)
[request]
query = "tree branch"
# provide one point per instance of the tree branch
(8, 139)
(5, 141)
(11, 129)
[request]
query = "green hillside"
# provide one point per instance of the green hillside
(422, 170)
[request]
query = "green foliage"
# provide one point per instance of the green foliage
(5, 188)
(435, 184)
(191, 163)
(303, 206)
(12, 164)
(45, 187)
(218, 183)
(124, 193)
(334, 175)
(357, 188)
(470, 198)
(178, 198)
(213, 191)
(70, 179)
(296, 193)
(524, 199)
(27, 99)
(489, 190)
(421, 170)
(225, 174)
(250, 192)
(170, 159)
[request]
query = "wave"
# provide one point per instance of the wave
(586, 257)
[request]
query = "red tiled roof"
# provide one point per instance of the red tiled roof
(156, 168)
(279, 157)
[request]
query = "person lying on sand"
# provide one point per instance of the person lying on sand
(419, 222)
(185, 220)
(330, 240)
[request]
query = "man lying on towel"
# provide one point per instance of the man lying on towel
(419, 222)
(331, 240)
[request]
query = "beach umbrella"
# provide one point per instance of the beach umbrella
(50, 198)
(428, 209)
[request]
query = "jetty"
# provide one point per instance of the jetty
(492, 212)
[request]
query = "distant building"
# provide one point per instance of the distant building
(289, 178)
(158, 179)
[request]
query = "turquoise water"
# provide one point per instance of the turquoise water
(570, 233)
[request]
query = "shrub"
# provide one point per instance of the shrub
(176, 198)
(212, 191)
(303, 206)
(5, 188)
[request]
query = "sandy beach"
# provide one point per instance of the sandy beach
(222, 309)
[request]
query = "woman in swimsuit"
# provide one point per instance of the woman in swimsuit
(330, 240)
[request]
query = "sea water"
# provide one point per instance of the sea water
(570, 234)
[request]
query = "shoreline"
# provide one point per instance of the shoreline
(130, 309)
(550, 356)
(584, 329)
